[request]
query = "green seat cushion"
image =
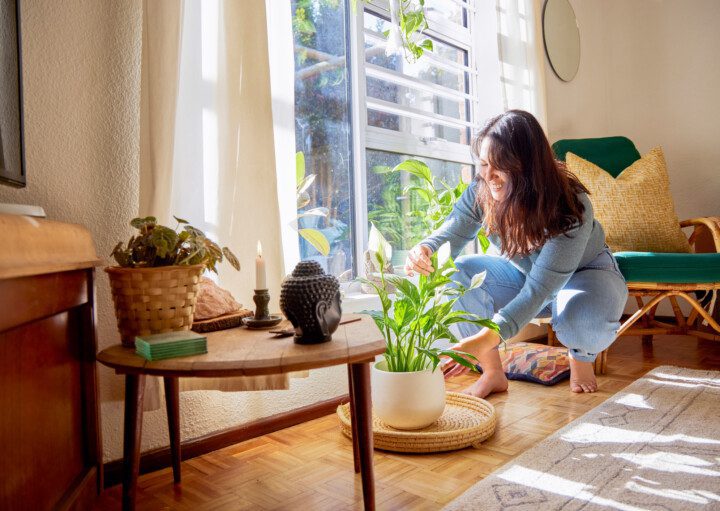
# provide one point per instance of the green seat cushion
(612, 154)
(669, 268)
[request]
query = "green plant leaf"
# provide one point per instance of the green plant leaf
(299, 167)
(305, 183)
(139, 223)
(180, 220)
(432, 354)
(422, 192)
(194, 231)
(232, 259)
(462, 358)
(401, 308)
(164, 240)
(484, 242)
(416, 168)
(316, 239)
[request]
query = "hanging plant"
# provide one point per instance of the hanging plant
(408, 21)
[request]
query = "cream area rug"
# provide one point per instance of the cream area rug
(653, 446)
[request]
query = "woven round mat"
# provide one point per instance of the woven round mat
(466, 421)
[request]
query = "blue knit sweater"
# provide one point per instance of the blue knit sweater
(546, 270)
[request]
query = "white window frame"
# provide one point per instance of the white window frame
(367, 137)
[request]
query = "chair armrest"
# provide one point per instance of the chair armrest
(711, 223)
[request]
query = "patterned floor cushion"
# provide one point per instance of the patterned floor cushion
(536, 363)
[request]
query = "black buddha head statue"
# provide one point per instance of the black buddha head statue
(310, 299)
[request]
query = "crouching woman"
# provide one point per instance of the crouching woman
(552, 260)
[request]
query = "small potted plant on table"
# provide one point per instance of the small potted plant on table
(408, 390)
(155, 284)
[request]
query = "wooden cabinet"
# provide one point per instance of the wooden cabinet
(50, 449)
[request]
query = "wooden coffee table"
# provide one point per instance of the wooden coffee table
(243, 352)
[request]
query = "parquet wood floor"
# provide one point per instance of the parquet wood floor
(310, 467)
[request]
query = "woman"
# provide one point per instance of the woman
(552, 262)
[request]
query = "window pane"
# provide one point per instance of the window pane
(442, 51)
(417, 99)
(447, 11)
(420, 127)
(390, 210)
(427, 99)
(322, 127)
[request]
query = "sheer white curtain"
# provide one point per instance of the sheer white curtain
(521, 56)
(162, 21)
(207, 146)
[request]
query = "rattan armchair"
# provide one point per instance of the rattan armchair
(654, 277)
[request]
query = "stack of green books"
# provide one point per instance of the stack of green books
(170, 345)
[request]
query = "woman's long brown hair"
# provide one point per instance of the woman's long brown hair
(542, 200)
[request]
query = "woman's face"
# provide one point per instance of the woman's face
(496, 180)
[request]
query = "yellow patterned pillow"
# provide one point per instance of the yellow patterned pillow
(636, 208)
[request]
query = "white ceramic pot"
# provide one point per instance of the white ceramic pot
(407, 400)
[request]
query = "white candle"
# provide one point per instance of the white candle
(260, 269)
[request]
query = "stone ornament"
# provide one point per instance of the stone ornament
(213, 301)
(310, 300)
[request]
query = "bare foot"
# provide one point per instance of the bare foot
(488, 383)
(582, 376)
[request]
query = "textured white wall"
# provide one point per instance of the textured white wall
(649, 70)
(81, 71)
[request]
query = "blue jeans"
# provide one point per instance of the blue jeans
(585, 313)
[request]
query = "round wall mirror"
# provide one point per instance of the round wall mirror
(562, 38)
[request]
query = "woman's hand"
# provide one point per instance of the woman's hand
(477, 345)
(418, 260)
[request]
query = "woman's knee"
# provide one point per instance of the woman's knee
(587, 321)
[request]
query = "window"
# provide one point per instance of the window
(359, 111)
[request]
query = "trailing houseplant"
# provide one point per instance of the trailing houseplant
(155, 284)
(419, 315)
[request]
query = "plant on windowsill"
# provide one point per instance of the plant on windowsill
(155, 284)
(303, 181)
(392, 215)
(408, 386)
(440, 199)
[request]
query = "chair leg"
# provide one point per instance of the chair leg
(600, 364)
(646, 320)
(552, 338)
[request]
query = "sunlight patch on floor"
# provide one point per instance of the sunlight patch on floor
(694, 496)
(595, 433)
(670, 462)
(635, 401)
(713, 385)
(560, 486)
(689, 379)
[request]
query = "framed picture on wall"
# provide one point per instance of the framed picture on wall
(12, 154)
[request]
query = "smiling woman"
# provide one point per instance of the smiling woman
(12, 161)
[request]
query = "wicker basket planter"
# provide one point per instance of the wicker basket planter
(154, 300)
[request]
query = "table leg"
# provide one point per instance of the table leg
(134, 393)
(360, 375)
(172, 403)
(353, 423)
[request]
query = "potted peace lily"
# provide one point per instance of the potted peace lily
(408, 388)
